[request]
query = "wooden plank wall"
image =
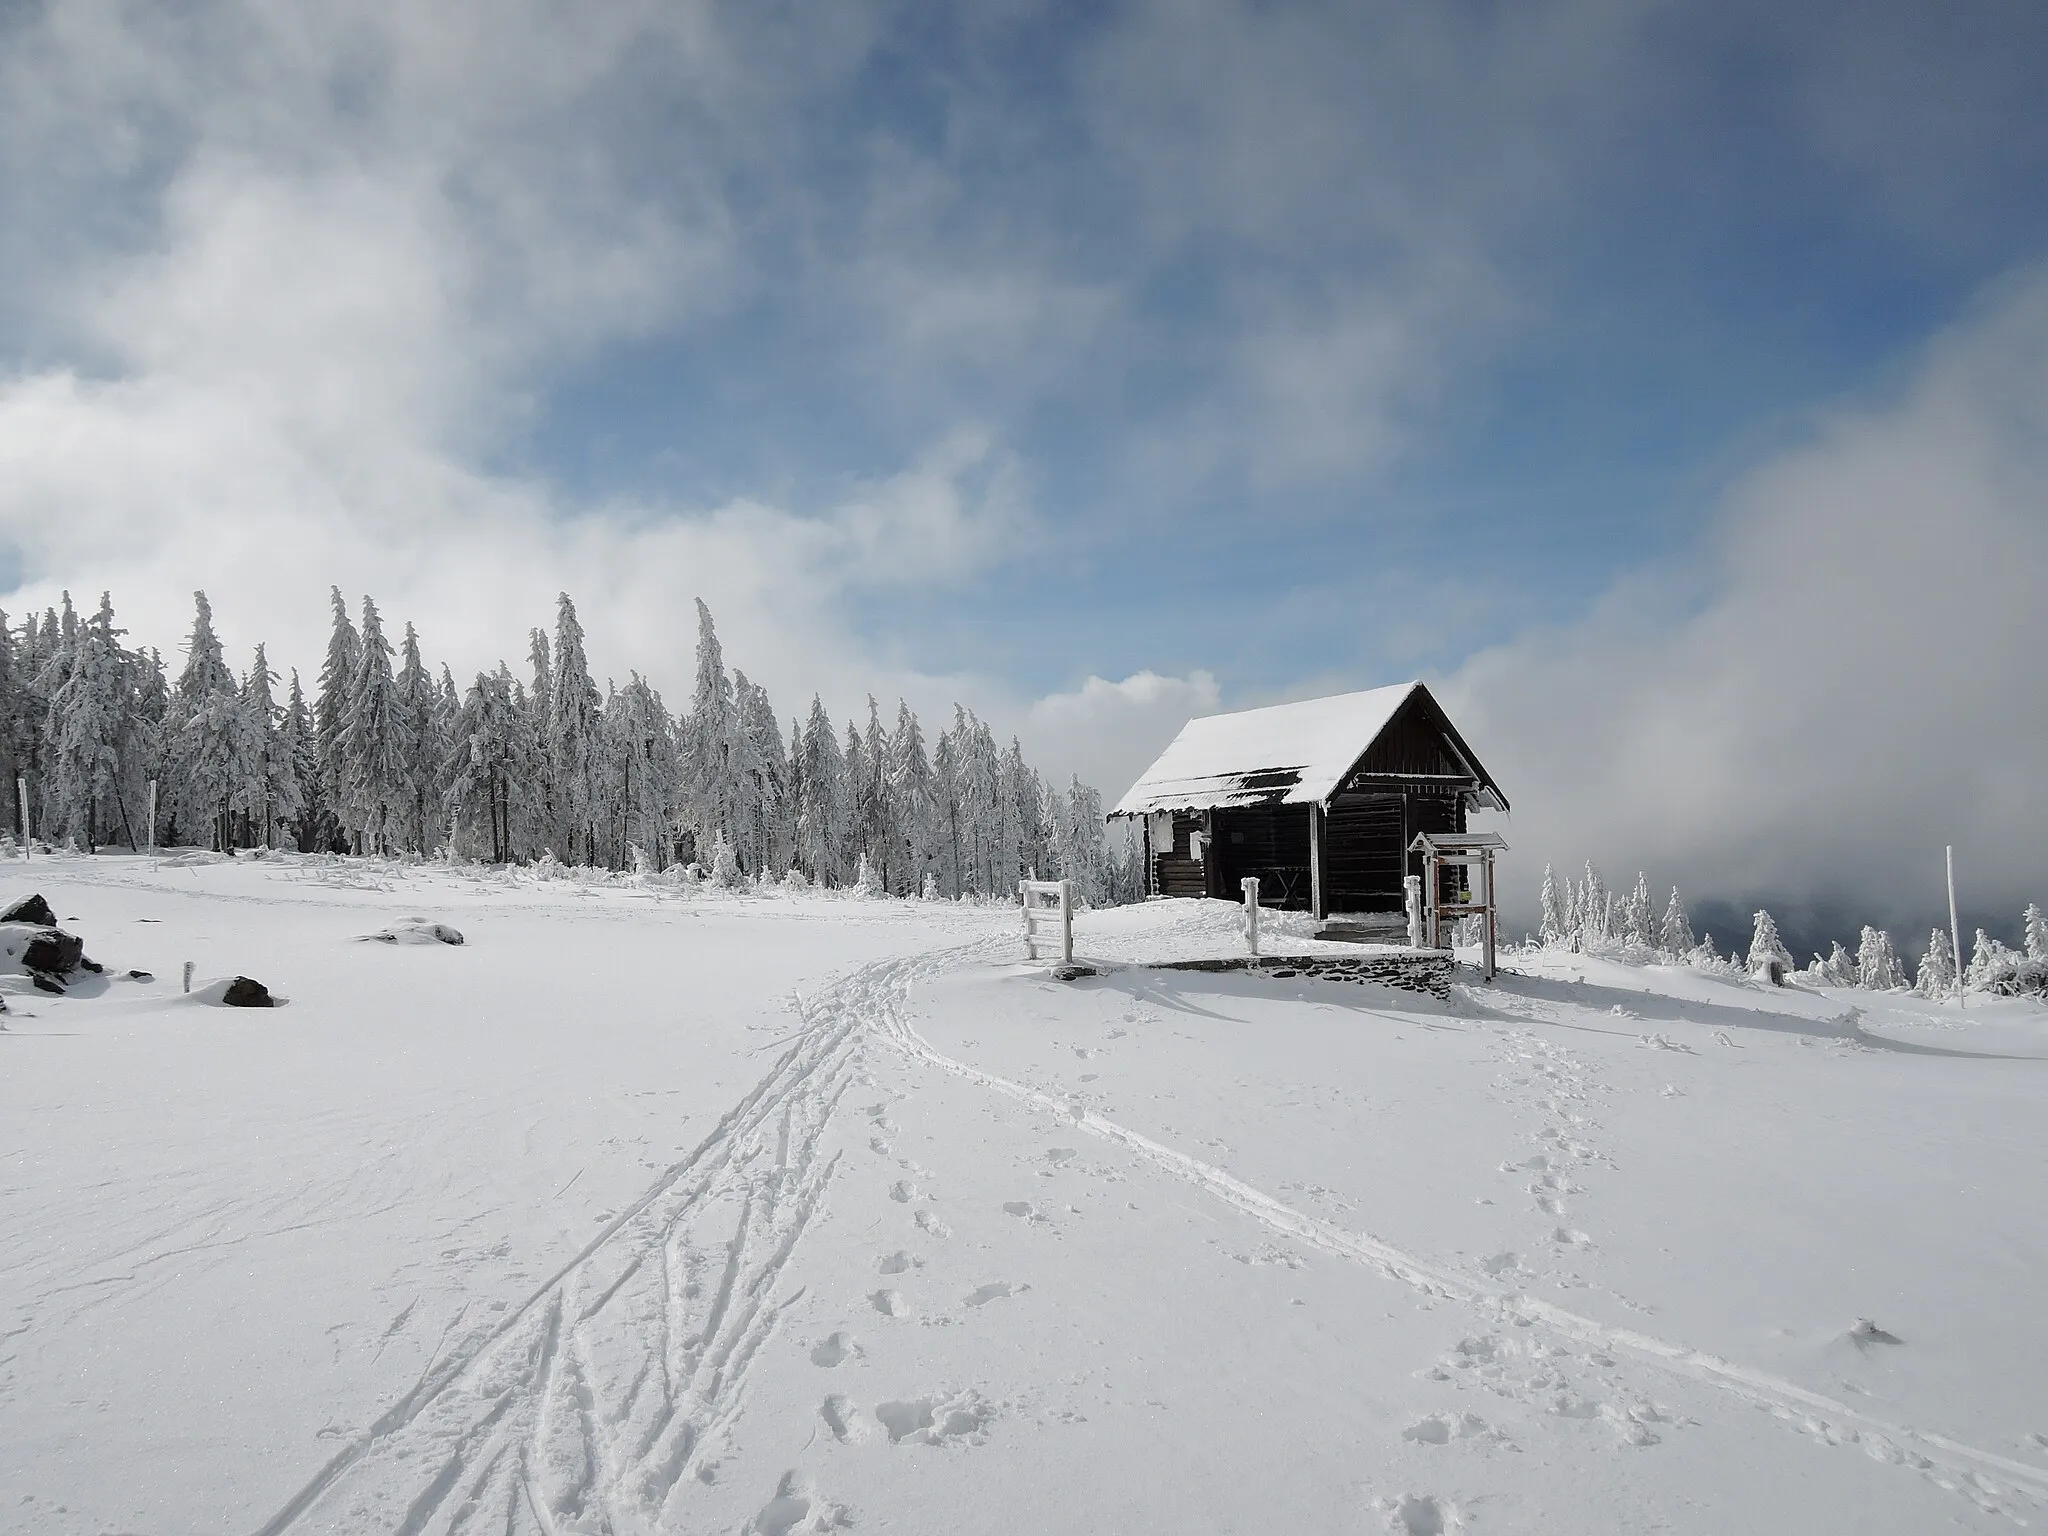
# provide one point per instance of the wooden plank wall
(1174, 873)
(1269, 841)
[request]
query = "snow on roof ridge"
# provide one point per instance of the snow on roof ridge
(1287, 754)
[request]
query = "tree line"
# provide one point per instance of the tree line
(1586, 917)
(389, 756)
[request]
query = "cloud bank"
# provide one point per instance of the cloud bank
(1845, 677)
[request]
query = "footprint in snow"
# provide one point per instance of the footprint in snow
(1421, 1514)
(982, 1295)
(835, 1351)
(896, 1263)
(931, 1224)
(903, 1192)
(1058, 1155)
(940, 1421)
(848, 1425)
(797, 1507)
(890, 1303)
(1023, 1209)
(1443, 1428)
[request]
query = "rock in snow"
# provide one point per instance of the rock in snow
(416, 931)
(30, 909)
(245, 992)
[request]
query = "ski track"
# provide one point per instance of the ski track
(595, 1404)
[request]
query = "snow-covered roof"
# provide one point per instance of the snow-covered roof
(1285, 754)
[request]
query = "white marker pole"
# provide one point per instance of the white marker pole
(21, 792)
(1955, 931)
(1251, 913)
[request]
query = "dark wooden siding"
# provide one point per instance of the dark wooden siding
(1173, 871)
(1270, 842)
(1413, 743)
(1362, 842)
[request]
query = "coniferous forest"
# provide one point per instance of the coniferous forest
(382, 753)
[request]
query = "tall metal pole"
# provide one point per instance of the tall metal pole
(1955, 931)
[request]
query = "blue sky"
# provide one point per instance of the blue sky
(1090, 364)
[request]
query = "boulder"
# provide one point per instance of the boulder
(30, 909)
(55, 953)
(244, 992)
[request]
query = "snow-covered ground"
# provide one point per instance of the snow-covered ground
(647, 1210)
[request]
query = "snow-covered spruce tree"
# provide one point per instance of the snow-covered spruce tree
(947, 807)
(707, 736)
(1937, 976)
(641, 752)
(419, 707)
(92, 732)
(764, 809)
(1877, 963)
(1084, 847)
(915, 797)
(867, 879)
(1639, 923)
(1769, 959)
(1596, 910)
(298, 766)
(257, 762)
(330, 710)
(821, 814)
(1839, 969)
(873, 806)
(572, 746)
(490, 766)
(209, 756)
(1553, 924)
(1022, 838)
(373, 748)
(1674, 933)
(2033, 923)
(980, 773)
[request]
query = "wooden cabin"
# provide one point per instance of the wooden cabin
(1320, 800)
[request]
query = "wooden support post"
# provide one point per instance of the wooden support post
(1251, 913)
(1486, 871)
(1024, 905)
(1318, 906)
(1066, 922)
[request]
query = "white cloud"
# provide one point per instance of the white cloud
(1109, 732)
(1845, 677)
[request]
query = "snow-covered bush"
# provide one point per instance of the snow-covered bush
(930, 890)
(796, 880)
(2017, 975)
(1769, 959)
(2036, 923)
(725, 867)
(1987, 959)
(866, 879)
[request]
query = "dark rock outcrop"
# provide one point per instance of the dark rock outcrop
(30, 909)
(245, 992)
(55, 953)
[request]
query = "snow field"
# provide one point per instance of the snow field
(639, 1213)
